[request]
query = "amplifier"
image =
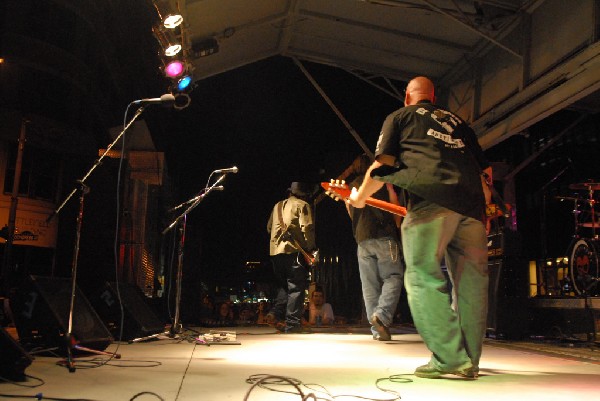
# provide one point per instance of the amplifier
(502, 243)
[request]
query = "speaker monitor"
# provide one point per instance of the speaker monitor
(13, 358)
(138, 319)
(41, 311)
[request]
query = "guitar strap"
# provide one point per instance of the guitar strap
(280, 216)
(284, 227)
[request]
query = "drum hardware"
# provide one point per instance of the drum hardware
(569, 198)
(589, 218)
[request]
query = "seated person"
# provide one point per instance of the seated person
(261, 313)
(225, 314)
(319, 312)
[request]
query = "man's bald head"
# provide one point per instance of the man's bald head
(419, 88)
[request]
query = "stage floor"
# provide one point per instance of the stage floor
(329, 363)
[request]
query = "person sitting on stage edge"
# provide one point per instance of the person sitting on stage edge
(320, 313)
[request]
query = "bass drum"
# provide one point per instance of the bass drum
(583, 265)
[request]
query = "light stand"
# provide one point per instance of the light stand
(71, 342)
(176, 326)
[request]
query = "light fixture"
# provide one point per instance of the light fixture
(168, 14)
(184, 82)
(182, 100)
(167, 41)
(174, 69)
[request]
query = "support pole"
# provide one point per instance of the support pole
(12, 214)
(334, 108)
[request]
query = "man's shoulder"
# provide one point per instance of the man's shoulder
(297, 201)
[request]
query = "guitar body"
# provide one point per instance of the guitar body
(341, 190)
(310, 260)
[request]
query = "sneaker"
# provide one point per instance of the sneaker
(383, 330)
(280, 327)
(431, 372)
(296, 330)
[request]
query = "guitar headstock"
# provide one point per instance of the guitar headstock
(336, 189)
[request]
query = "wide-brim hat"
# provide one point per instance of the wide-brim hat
(301, 189)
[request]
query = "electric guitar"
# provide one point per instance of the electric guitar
(312, 259)
(339, 190)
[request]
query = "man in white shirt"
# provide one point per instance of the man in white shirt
(319, 312)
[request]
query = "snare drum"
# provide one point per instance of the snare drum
(583, 266)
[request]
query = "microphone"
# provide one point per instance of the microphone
(167, 99)
(219, 188)
(233, 170)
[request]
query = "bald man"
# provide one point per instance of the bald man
(435, 156)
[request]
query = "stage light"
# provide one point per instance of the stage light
(174, 69)
(166, 11)
(167, 41)
(184, 82)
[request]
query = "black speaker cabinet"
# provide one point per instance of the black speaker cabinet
(41, 309)
(138, 319)
(13, 358)
(508, 307)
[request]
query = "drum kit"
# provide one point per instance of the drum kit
(583, 251)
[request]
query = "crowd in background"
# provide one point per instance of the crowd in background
(228, 313)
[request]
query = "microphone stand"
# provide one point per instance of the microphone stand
(71, 342)
(176, 327)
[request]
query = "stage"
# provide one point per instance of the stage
(329, 362)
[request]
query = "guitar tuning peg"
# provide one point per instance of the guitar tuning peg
(343, 182)
(331, 181)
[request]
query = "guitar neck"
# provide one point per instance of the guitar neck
(342, 191)
(388, 207)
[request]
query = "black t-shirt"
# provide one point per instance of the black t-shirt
(370, 222)
(438, 158)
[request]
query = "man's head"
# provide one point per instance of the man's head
(361, 164)
(419, 88)
(301, 190)
(318, 297)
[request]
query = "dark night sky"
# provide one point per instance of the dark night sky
(270, 122)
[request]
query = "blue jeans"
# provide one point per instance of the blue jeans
(381, 272)
(291, 278)
(453, 334)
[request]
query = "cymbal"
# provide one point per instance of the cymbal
(593, 186)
